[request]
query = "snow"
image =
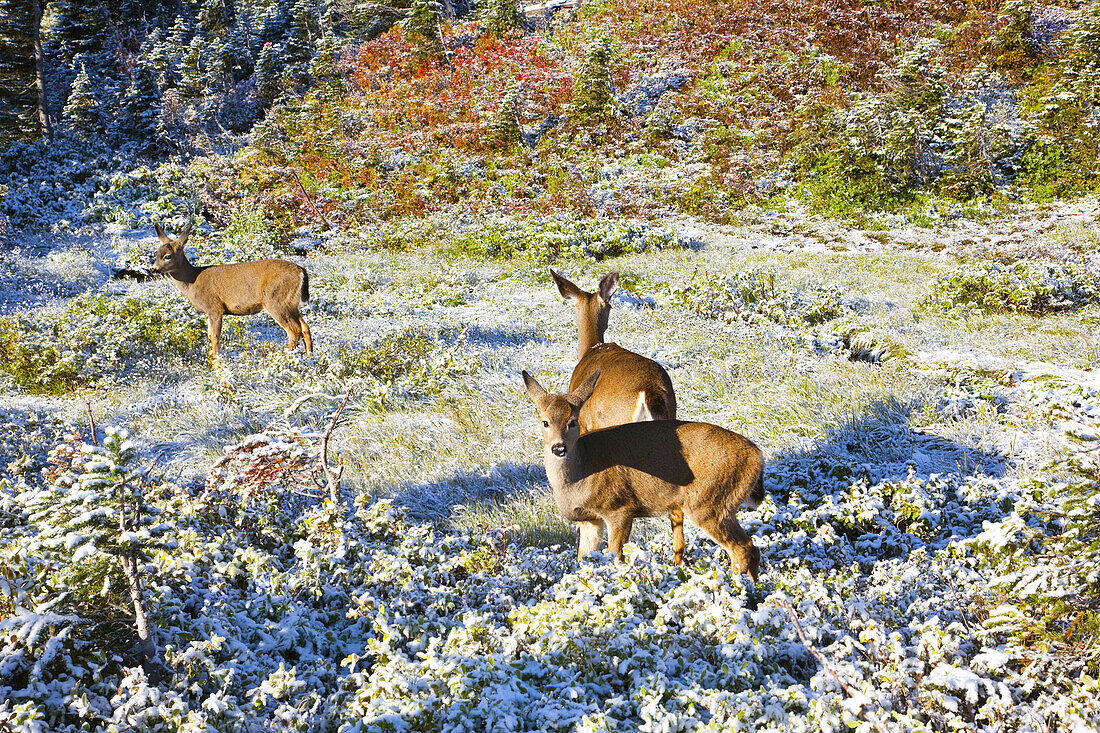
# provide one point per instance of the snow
(885, 536)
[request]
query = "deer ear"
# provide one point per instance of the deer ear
(568, 290)
(534, 390)
(608, 286)
(182, 239)
(164, 238)
(584, 389)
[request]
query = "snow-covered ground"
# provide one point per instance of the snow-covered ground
(919, 455)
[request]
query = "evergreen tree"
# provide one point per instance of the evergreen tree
(423, 24)
(18, 100)
(192, 70)
(139, 110)
(92, 528)
(268, 76)
(506, 127)
(215, 18)
(500, 16)
(82, 114)
(594, 94)
(276, 22)
(80, 28)
(325, 67)
(302, 32)
(237, 53)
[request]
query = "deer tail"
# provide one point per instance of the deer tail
(305, 286)
(642, 413)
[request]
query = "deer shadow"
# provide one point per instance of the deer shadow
(874, 462)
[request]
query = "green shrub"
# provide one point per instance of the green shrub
(96, 335)
(390, 359)
(30, 356)
(1045, 566)
(760, 295)
(1022, 288)
(544, 241)
(1064, 104)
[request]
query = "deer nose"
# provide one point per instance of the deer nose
(558, 449)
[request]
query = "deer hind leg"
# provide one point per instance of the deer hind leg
(291, 323)
(590, 535)
(618, 532)
(678, 543)
(306, 335)
(727, 532)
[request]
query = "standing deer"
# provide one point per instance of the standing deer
(242, 289)
(643, 469)
(632, 388)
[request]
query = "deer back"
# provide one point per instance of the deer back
(651, 467)
(245, 288)
(624, 376)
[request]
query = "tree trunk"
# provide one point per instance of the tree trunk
(129, 562)
(45, 122)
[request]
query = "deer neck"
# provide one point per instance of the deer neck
(563, 473)
(589, 332)
(185, 275)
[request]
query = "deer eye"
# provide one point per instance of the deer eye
(546, 423)
(573, 423)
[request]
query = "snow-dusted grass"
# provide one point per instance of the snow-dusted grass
(918, 458)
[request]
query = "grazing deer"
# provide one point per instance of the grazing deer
(242, 289)
(642, 469)
(632, 388)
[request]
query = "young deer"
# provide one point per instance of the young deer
(633, 388)
(644, 469)
(276, 286)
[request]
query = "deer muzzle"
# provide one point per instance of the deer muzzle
(558, 449)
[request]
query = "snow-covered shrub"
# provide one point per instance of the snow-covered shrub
(760, 295)
(1064, 102)
(54, 354)
(549, 239)
(1025, 287)
(264, 483)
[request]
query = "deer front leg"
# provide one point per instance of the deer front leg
(678, 543)
(213, 333)
(590, 535)
(618, 532)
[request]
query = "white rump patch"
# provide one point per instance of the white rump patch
(641, 410)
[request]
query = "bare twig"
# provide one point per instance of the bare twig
(309, 200)
(91, 421)
(333, 476)
(810, 648)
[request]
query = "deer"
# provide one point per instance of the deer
(633, 388)
(615, 475)
(278, 287)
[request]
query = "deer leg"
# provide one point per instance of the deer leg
(618, 532)
(305, 335)
(678, 544)
(743, 555)
(744, 558)
(289, 322)
(590, 538)
(213, 333)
